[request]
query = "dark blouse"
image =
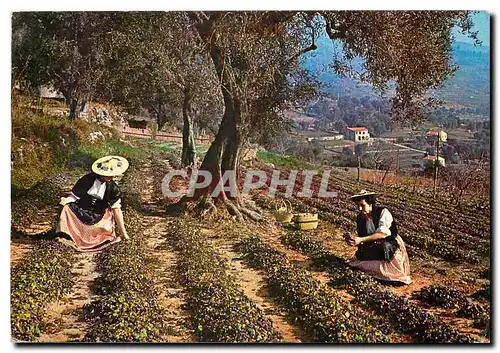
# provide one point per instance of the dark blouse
(382, 249)
(90, 209)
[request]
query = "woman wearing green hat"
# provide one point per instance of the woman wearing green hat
(93, 207)
(381, 251)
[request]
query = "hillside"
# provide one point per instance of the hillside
(469, 87)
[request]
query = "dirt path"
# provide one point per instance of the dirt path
(65, 314)
(170, 292)
(18, 251)
(253, 284)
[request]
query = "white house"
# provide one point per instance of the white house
(429, 160)
(326, 138)
(50, 92)
(443, 136)
(358, 133)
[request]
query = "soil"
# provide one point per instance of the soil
(64, 314)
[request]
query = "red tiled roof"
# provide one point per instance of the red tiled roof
(432, 132)
(356, 129)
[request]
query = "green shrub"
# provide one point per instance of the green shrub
(43, 145)
(284, 161)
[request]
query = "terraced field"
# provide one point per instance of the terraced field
(182, 279)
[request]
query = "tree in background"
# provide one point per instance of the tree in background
(471, 179)
(157, 62)
(62, 49)
(256, 56)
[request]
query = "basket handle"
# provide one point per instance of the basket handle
(290, 204)
(282, 203)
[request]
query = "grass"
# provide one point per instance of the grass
(201, 150)
(166, 146)
(110, 147)
(285, 161)
(44, 145)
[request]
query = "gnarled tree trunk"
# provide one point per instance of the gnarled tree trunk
(188, 143)
(223, 154)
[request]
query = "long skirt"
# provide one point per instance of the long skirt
(396, 270)
(87, 238)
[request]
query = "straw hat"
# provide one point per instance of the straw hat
(110, 166)
(362, 193)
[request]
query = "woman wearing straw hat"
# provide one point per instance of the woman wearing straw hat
(381, 251)
(93, 207)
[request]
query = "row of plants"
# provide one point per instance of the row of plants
(38, 204)
(422, 207)
(442, 296)
(407, 223)
(220, 311)
(408, 318)
(484, 292)
(445, 249)
(42, 277)
(126, 308)
(419, 201)
(432, 216)
(324, 316)
(428, 222)
(345, 219)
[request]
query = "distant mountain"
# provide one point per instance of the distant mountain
(469, 87)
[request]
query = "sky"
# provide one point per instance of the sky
(482, 25)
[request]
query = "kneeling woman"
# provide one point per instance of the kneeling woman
(381, 251)
(93, 207)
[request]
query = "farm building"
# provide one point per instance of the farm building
(428, 160)
(50, 92)
(443, 136)
(358, 133)
(326, 138)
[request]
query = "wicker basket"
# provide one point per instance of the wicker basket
(284, 214)
(306, 221)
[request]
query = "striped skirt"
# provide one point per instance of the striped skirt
(396, 270)
(84, 237)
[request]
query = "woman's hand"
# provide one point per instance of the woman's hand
(352, 239)
(355, 241)
(117, 213)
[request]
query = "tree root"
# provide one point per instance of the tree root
(250, 204)
(233, 210)
(254, 216)
(206, 208)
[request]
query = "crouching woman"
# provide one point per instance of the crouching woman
(381, 251)
(93, 208)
